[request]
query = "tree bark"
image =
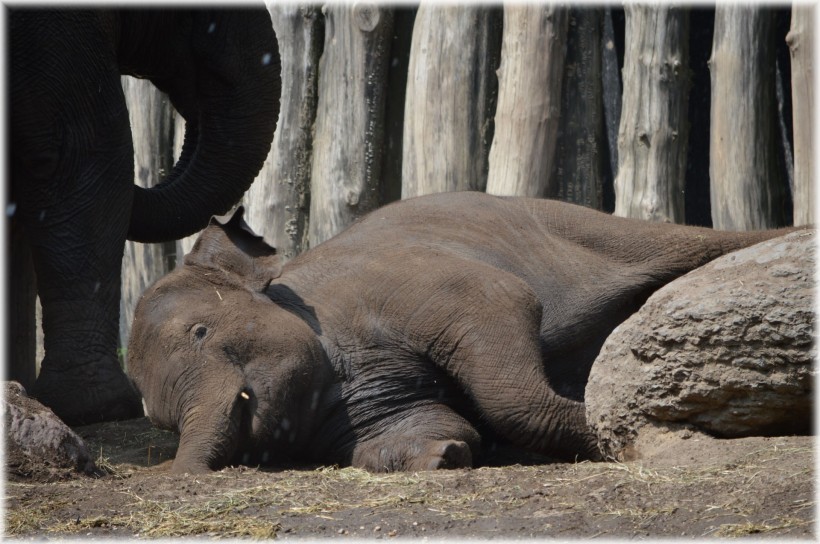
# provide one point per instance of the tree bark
(450, 101)
(529, 99)
(348, 142)
(278, 201)
(801, 44)
(783, 106)
(746, 190)
(581, 146)
(653, 133)
(152, 127)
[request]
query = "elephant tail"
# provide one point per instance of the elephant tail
(733, 241)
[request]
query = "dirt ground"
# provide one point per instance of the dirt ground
(690, 488)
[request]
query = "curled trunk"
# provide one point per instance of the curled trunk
(230, 119)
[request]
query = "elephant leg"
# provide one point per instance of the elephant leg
(22, 293)
(73, 175)
(492, 347)
(78, 258)
(428, 438)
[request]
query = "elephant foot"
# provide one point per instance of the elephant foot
(443, 454)
(391, 454)
(85, 399)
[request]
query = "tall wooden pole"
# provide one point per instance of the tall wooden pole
(746, 189)
(801, 45)
(451, 90)
(653, 133)
(529, 99)
(348, 142)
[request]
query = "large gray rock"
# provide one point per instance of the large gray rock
(38, 443)
(727, 350)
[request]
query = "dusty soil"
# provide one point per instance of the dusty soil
(682, 487)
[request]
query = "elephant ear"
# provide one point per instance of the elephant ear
(230, 246)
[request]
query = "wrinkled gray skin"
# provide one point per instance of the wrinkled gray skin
(72, 166)
(401, 342)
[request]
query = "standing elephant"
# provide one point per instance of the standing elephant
(401, 343)
(72, 169)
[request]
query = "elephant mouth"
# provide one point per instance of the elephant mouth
(242, 440)
(253, 447)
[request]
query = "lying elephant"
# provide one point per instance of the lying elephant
(399, 343)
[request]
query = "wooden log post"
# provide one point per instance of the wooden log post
(152, 128)
(349, 130)
(529, 99)
(801, 46)
(746, 189)
(278, 201)
(451, 90)
(581, 147)
(653, 132)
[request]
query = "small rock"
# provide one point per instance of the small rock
(37, 440)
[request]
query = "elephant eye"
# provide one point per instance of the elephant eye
(200, 332)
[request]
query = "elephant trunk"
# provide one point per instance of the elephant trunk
(228, 132)
(209, 434)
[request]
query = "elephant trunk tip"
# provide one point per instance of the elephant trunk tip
(178, 467)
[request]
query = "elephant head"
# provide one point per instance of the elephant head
(221, 70)
(231, 371)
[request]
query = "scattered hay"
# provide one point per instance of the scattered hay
(737, 530)
(222, 517)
